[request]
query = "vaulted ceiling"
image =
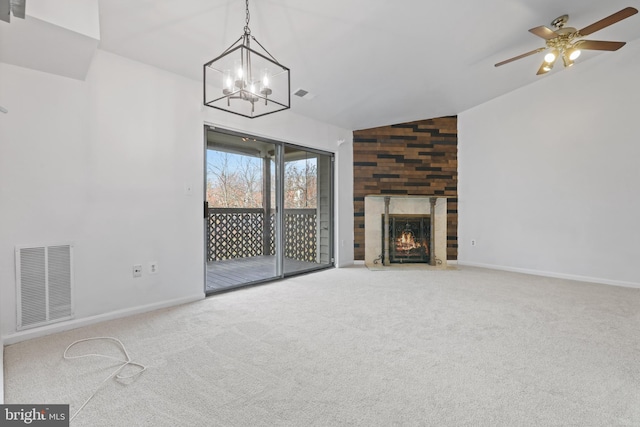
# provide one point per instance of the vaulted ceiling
(369, 62)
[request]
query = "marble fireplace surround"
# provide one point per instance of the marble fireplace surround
(374, 209)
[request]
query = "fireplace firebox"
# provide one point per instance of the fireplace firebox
(409, 237)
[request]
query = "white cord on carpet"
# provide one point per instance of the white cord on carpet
(115, 374)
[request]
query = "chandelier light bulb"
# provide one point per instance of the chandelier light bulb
(265, 87)
(239, 71)
(227, 82)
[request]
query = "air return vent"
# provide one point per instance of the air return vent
(304, 94)
(44, 281)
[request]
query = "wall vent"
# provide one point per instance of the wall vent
(44, 279)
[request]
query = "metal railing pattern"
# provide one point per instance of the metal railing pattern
(240, 233)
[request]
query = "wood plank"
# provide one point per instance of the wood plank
(235, 272)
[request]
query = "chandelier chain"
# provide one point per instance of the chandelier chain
(247, 19)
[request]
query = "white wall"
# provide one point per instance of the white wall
(104, 164)
(549, 177)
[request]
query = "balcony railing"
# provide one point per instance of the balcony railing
(241, 233)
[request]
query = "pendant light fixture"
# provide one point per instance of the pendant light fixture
(15, 7)
(245, 81)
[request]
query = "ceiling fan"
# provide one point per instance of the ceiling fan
(566, 42)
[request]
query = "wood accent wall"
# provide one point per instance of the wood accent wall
(417, 158)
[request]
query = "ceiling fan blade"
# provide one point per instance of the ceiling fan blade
(609, 20)
(524, 55)
(544, 32)
(599, 45)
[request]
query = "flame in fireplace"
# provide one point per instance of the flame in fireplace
(407, 241)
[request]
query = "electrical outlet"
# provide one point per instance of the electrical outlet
(153, 267)
(473, 242)
(137, 270)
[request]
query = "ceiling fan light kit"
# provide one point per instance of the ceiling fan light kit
(551, 57)
(573, 53)
(246, 81)
(568, 42)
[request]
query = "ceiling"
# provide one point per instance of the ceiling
(369, 63)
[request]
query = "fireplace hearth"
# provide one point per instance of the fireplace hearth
(408, 238)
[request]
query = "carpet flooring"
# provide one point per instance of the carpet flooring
(354, 347)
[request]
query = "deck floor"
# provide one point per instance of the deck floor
(235, 272)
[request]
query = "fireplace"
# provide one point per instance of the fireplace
(425, 239)
(408, 238)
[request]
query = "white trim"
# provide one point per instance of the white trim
(1, 371)
(270, 138)
(77, 323)
(553, 274)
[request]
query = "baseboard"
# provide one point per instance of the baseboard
(85, 321)
(553, 274)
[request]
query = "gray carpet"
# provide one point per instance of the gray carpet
(468, 347)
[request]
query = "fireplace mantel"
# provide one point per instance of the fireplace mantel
(374, 209)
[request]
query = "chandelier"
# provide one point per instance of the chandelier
(7, 7)
(245, 81)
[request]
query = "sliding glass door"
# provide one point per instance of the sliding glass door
(268, 210)
(307, 210)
